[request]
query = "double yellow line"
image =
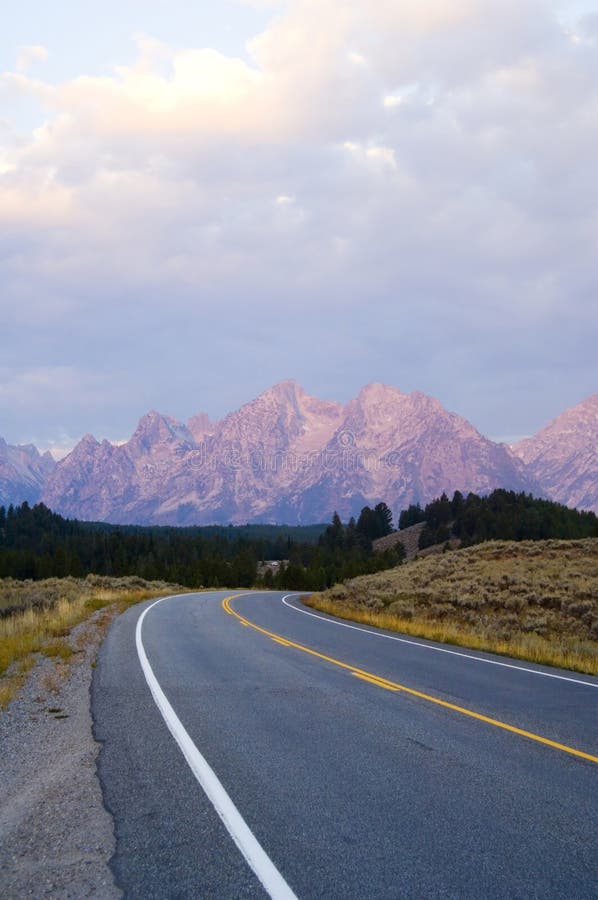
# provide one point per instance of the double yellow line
(395, 686)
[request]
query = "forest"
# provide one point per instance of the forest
(502, 515)
(36, 543)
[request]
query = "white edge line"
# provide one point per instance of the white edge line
(391, 637)
(252, 851)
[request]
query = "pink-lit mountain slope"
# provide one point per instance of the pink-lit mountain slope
(563, 457)
(23, 473)
(284, 457)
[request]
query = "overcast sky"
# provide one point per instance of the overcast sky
(195, 205)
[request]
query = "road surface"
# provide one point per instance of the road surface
(252, 747)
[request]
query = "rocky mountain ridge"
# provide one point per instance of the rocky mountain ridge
(563, 457)
(289, 457)
(23, 472)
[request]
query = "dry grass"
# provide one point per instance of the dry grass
(18, 596)
(59, 649)
(11, 684)
(44, 621)
(535, 600)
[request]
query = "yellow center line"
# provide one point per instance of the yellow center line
(377, 681)
(395, 686)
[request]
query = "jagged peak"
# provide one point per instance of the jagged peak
(378, 394)
(154, 416)
(88, 439)
(589, 406)
(291, 398)
(87, 444)
(380, 389)
(573, 419)
(285, 384)
(291, 394)
(284, 395)
(288, 390)
(159, 471)
(28, 450)
(153, 421)
(156, 428)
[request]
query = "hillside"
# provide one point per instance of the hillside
(532, 599)
(563, 457)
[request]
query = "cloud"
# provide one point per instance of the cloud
(192, 143)
(19, 385)
(372, 155)
(420, 18)
(432, 162)
(29, 55)
(261, 4)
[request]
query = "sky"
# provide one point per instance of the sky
(200, 200)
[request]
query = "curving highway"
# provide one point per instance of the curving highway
(252, 747)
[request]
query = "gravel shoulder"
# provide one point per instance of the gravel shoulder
(56, 837)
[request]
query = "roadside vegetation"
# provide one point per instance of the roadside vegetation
(534, 600)
(38, 618)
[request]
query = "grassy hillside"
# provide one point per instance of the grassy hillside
(39, 618)
(536, 600)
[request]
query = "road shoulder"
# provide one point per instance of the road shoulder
(56, 837)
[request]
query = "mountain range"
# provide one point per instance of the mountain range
(23, 473)
(289, 457)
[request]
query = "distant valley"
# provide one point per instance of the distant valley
(289, 457)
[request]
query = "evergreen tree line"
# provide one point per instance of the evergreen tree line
(502, 515)
(36, 543)
(343, 551)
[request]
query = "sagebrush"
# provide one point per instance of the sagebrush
(533, 599)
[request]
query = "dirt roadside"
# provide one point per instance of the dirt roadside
(56, 838)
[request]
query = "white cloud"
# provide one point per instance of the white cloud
(29, 55)
(392, 100)
(376, 156)
(358, 59)
(420, 18)
(434, 156)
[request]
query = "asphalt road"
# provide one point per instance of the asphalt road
(344, 764)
